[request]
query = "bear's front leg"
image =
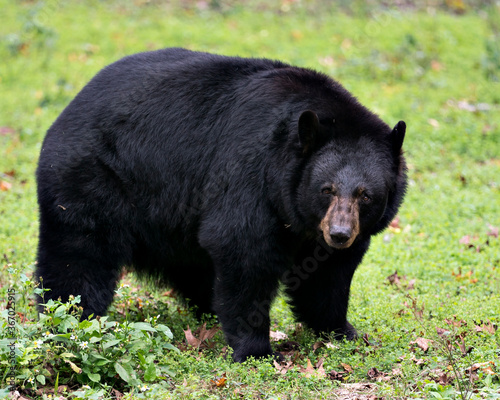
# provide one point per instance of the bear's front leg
(242, 301)
(318, 286)
(247, 271)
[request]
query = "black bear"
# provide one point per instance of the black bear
(222, 177)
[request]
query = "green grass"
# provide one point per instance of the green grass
(432, 68)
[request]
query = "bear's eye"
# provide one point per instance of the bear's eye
(328, 191)
(365, 198)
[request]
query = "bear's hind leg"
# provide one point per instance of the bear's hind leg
(77, 264)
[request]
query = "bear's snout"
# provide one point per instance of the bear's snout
(340, 225)
(340, 234)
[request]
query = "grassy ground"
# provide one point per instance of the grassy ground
(430, 328)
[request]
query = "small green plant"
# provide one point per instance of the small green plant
(60, 350)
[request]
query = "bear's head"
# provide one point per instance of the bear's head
(354, 179)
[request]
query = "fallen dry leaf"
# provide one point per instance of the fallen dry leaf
(319, 367)
(347, 367)
(486, 367)
(337, 375)
(422, 343)
(487, 327)
(464, 240)
(219, 381)
(204, 336)
(4, 186)
(442, 332)
(456, 322)
(461, 345)
(440, 376)
(394, 279)
(116, 394)
(277, 336)
(191, 339)
(417, 361)
(436, 65)
(311, 371)
(417, 311)
(356, 391)
(395, 226)
(283, 368)
(207, 334)
(74, 367)
(6, 130)
(374, 373)
(433, 122)
(318, 345)
(492, 231)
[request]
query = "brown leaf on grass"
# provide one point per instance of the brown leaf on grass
(366, 340)
(411, 284)
(5, 186)
(6, 130)
(204, 336)
(418, 311)
(417, 361)
(336, 375)
(375, 374)
(48, 392)
(318, 345)
(401, 281)
(485, 367)
(442, 332)
(321, 344)
(487, 327)
(357, 391)
(277, 336)
(191, 339)
(347, 367)
(219, 381)
(73, 366)
(394, 279)
(436, 65)
(456, 322)
(207, 334)
(492, 231)
(465, 239)
(169, 293)
(319, 367)
(460, 342)
(468, 242)
(422, 343)
(283, 368)
(440, 376)
(311, 371)
(116, 394)
(395, 226)
(445, 379)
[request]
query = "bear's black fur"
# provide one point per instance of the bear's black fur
(222, 176)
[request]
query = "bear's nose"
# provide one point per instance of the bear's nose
(340, 234)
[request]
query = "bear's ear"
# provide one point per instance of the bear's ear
(398, 136)
(308, 130)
